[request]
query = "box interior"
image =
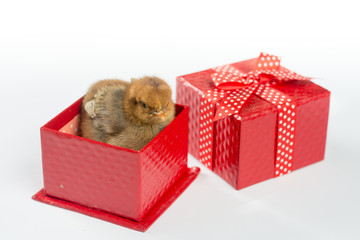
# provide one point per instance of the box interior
(68, 121)
(72, 127)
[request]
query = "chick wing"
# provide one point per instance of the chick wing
(102, 112)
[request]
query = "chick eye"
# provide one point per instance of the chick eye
(143, 105)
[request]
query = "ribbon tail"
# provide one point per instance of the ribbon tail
(206, 132)
(207, 109)
(233, 102)
(284, 155)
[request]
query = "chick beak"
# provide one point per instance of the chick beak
(160, 114)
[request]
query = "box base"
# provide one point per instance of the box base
(164, 203)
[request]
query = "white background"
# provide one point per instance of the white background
(51, 51)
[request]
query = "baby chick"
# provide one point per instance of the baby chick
(126, 114)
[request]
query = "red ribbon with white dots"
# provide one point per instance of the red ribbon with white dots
(233, 88)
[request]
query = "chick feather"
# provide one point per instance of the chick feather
(126, 114)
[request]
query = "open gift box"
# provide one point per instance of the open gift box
(254, 120)
(122, 186)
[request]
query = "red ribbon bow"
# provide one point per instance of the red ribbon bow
(233, 88)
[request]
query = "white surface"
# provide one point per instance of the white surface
(51, 51)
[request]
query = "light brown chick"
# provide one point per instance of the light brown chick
(126, 114)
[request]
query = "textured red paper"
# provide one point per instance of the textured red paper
(112, 179)
(244, 150)
(164, 203)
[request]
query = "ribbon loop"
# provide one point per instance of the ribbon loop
(233, 102)
(266, 69)
(267, 62)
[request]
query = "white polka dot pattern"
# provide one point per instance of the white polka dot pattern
(286, 127)
(72, 126)
(234, 87)
(227, 74)
(267, 68)
(206, 133)
(270, 65)
(267, 62)
(207, 107)
(233, 102)
(230, 103)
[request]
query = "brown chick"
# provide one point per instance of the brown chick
(126, 114)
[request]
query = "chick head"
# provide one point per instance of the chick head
(150, 100)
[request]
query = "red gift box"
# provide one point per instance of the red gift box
(280, 126)
(126, 187)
